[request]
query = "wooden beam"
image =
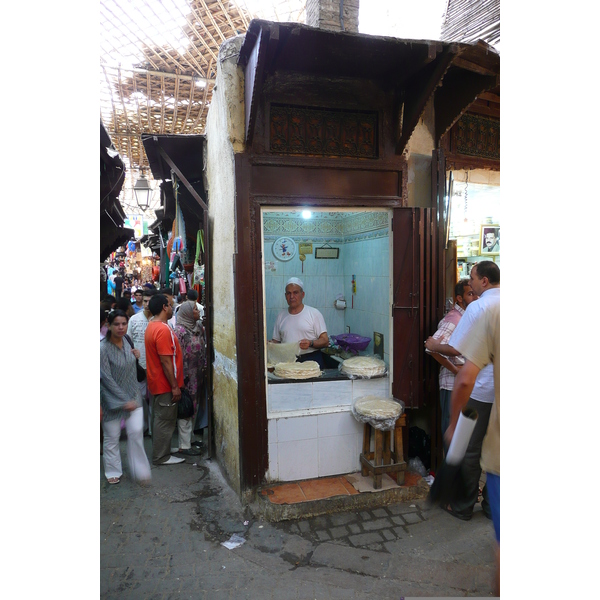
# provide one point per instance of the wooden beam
(418, 92)
(488, 111)
(226, 13)
(489, 97)
(474, 67)
(182, 178)
(253, 79)
(459, 90)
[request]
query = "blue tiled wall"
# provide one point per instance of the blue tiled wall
(362, 253)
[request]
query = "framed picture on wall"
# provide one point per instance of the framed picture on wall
(489, 240)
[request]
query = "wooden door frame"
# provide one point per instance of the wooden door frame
(248, 290)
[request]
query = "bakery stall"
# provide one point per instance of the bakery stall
(345, 127)
(343, 259)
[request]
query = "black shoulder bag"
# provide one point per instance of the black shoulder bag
(141, 372)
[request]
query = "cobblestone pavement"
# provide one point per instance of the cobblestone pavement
(165, 542)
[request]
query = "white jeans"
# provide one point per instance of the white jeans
(137, 460)
(184, 432)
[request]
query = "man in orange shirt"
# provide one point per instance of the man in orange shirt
(164, 371)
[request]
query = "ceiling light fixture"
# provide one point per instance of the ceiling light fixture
(143, 192)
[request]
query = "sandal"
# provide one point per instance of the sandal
(114, 480)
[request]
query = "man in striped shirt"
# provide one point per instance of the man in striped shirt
(449, 365)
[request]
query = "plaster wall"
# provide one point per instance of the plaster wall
(418, 152)
(225, 137)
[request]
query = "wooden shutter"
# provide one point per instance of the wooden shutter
(416, 278)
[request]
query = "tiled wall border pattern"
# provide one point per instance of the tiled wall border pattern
(338, 227)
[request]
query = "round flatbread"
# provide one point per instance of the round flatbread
(363, 366)
(375, 407)
(298, 370)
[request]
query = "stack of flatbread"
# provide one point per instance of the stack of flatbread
(298, 370)
(363, 366)
(376, 407)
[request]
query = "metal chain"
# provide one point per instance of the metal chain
(466, 193)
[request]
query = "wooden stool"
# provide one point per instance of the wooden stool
(383, 459)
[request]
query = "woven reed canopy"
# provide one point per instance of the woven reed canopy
(158, 62)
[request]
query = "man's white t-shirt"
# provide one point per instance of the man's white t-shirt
(308, 324)
(484, 385)
(483, 390)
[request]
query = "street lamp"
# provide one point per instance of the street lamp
(143, 192)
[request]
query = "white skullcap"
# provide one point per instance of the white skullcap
(295, 281)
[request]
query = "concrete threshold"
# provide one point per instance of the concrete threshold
(362, 496)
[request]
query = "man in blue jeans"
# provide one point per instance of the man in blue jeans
(477, 338)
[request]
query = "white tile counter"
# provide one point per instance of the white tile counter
(312, 432)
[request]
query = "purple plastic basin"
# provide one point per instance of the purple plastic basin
(352, 341)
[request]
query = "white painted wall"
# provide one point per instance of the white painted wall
(225, 137)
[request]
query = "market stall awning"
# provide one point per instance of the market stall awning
(181, 158)
(453, 74)
(112, 216)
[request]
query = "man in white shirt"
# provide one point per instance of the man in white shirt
(477, 338)
(136, 329)
(301, 323)
(481, 398)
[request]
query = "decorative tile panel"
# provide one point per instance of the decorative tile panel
(478, 136)
(340, 228)
(322, 132)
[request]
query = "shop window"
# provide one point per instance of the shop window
(475, 218)
(354, 273)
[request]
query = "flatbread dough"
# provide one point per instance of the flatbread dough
(281, 353)
(375, 407)
(298, 370)
(363, 366)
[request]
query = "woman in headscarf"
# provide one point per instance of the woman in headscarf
(120, 398)
(191, 336)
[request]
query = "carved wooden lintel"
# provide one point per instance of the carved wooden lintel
(323, 132)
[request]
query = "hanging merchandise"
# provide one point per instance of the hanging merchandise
(178, 224)
(176, 262)
(198, 268)
(199, 244)
(198, 274)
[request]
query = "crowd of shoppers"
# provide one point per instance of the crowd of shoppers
(142, 327)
